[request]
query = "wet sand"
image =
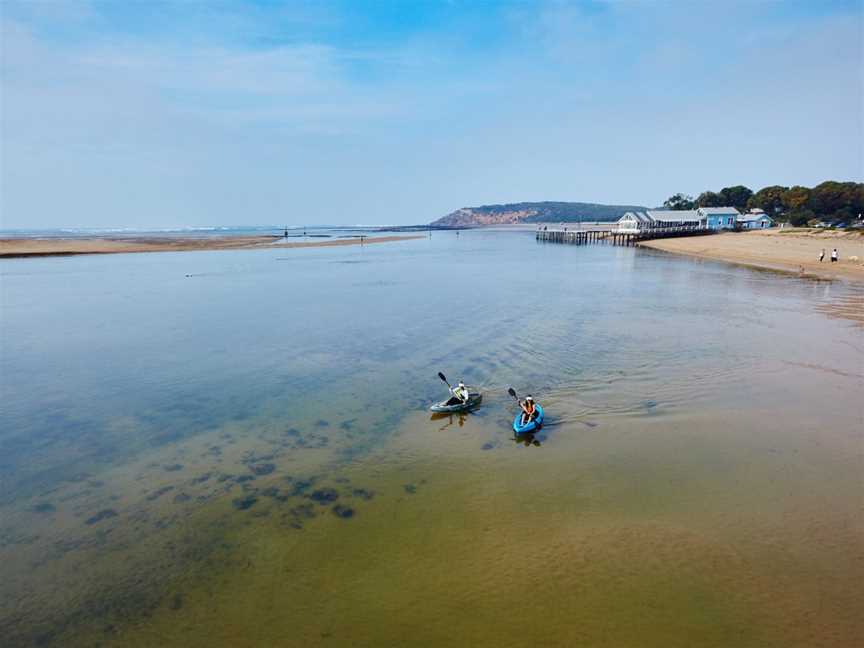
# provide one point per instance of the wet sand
(795, 250)
(11, 248)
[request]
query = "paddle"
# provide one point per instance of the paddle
(444, 378)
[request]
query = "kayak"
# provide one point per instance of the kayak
(454, 404)
(531, 426)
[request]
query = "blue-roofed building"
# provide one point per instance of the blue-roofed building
(755, 219)
(719, 218)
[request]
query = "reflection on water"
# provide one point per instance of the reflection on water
(530, 439)
(227, 449)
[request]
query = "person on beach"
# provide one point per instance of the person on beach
(822, 255)
(834, 255)
(529, 411)
(460, 392)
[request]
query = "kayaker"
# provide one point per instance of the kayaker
(460, 392)
(529, 411)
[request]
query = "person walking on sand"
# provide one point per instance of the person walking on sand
(834, 255)
(822, 255)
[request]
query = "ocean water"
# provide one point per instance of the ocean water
(234, 449)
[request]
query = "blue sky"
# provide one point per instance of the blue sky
(137, 113)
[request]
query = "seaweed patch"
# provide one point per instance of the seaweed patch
(104, 514)
(262, 468)
(324, 495)
(363, 493)
(343, 512)
(159, 493)
(244, 503)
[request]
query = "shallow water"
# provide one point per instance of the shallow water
(242, 456)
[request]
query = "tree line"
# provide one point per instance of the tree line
(832, 202)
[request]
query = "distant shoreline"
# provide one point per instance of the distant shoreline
(33, 247)
(795, 251)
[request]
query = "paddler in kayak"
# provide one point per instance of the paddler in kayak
(460, 392)
(529, 409)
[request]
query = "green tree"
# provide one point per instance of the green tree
(768, 199)
(801, 217)
(837, 200)
(710, 199)
(736, 196)
(679, 202)
(796, 198)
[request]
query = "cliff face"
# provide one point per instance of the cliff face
(468, 216)
(534, 213)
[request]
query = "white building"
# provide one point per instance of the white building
(635, 222)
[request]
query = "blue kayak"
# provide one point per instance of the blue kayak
(530, 426)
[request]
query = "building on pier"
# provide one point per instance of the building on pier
(652, 219)
(704, 218)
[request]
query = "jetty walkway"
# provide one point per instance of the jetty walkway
(612, 235)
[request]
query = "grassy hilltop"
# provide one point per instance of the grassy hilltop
(534, 212)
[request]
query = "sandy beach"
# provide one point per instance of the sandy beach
(787, 250)
(11, 248)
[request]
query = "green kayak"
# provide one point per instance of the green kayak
(454, 404)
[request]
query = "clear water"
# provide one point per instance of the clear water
(233, 448)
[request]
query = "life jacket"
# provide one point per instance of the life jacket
(529, 408)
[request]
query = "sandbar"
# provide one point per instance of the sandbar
(16, 247)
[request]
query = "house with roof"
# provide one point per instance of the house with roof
(652, 219)
(755, 219)
(719, 218)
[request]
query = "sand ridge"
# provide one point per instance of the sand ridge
(12, 248)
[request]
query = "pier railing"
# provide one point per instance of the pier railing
(616, 236)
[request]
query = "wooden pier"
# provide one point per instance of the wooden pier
(612, 236)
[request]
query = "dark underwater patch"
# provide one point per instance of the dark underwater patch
(244, 503)
(159, 493)
(362, 493)
(275, 493)
(343, 512)
(104, 514)
(324, 495)
(262, 468)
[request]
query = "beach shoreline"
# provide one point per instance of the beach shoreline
(795, 251)
(11, 248)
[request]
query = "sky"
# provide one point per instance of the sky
(151, 113)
